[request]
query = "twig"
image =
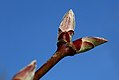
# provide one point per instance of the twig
(65, 47)
(62, 52)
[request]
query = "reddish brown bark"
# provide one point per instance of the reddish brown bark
(61, 52)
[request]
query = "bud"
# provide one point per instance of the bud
(68, 22)
(26, 73)
(87, 43)
(66, 28)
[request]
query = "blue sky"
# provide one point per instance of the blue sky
(28, 31)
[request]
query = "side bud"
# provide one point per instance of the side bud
(26, 73)
(87, 43)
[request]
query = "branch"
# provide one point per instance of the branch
(65, 47)
(62, 52)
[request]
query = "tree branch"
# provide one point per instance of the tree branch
(65, 47)
(61, 52)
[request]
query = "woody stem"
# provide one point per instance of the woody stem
(61, 52)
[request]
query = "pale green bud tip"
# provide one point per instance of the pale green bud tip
(26, 73)
(95, 40)
(68, 22)
(87, 43)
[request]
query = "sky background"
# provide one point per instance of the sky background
(28, 31)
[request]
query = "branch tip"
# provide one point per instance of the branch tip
(68, 21)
